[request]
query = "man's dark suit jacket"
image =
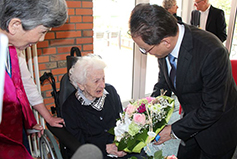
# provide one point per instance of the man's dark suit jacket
(206, 91)
(215, 22)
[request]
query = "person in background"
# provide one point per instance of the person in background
(34, 96)
(92, 109)
(195, 65)
(171, 7)
(24, 22)
(209, 18)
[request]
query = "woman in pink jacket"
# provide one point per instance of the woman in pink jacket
(25, 22)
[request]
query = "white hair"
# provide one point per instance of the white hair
(167, 4)
(80, 70)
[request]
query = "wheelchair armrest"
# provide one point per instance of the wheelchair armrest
(65, 137)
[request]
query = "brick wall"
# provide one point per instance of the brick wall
(52, 52)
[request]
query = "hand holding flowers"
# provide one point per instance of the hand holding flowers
(164, 135)
(113, 150)
(141, 121)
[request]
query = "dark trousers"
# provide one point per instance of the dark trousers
(25, 140)
(191, 150)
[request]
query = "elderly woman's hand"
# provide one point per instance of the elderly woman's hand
(112, 149)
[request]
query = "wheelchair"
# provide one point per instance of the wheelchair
(49, 148)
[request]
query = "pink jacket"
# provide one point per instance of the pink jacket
(16, 114)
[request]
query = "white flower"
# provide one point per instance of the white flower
(122, 127)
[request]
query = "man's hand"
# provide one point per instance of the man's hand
(164, 135)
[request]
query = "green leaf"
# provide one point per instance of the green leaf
(111, 131)
(121, 145)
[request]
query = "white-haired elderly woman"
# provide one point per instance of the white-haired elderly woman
(92, 109)
(171, 6)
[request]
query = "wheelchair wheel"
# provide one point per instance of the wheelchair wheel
(48, 146)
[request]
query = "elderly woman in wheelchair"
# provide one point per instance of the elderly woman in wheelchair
(92, 109)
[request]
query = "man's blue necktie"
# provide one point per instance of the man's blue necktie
(173, 69)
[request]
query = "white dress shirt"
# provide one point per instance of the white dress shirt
(175, 51)
(203, 18)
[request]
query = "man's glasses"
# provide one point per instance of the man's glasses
(198, 2)
(143, 51)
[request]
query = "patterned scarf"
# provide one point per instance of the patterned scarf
(97, 103)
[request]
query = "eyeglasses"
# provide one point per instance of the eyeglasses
(143, 51)
(197, 2)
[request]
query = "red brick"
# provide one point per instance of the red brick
(71, 11)
(87, 47)
(73, 4)
(42, 66)
(64, 49)
(49, 51)
(87, 33)
(59, 71)
(87, 18)
(58, 57)
(84, 12)
(84, 26)
(84, 40)
(75, 19)
(62, 42)
(46, 86)
(65, 27)
(50, 35)
(87, 4)
(68, 34)
(43, 44)
(49, 100)
(39, 51)
(48, 93)
(42, 59)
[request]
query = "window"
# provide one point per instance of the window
(112, 42)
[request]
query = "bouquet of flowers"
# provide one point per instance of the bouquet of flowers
(141, 121)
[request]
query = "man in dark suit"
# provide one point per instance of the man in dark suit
(209, 18)
(203, 82)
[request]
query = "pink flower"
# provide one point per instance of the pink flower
(172, 157)
(149, 99)
(130, 109)
(139, 118)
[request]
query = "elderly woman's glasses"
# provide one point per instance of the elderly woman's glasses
(143, 51)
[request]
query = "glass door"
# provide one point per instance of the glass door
(231, 42)
(113, 44)
(233, 51)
